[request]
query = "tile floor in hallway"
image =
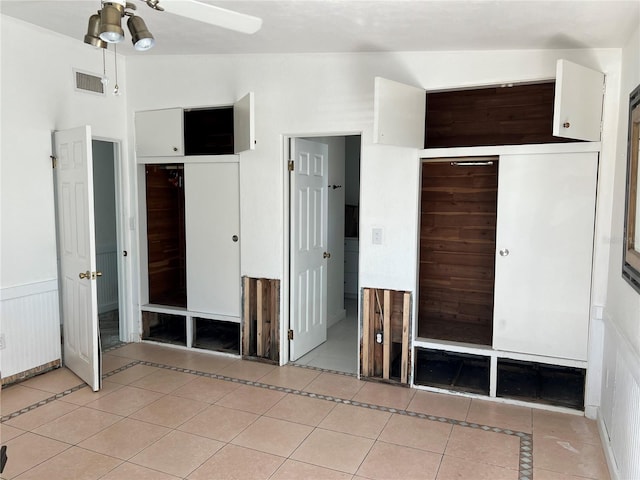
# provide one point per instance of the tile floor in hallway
(172, 414)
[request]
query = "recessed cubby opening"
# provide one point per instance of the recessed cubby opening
(216, 335)
(452, 371)
(164, 328)
(541, 383)
(208, 131)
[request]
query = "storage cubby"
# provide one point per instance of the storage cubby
(261, 331)
(216, 335)
(452, 371)
(208, 131)
(541, 383)
(164, 328)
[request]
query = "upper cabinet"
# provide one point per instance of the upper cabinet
(177, 132)
(568, 109)
(578, 103)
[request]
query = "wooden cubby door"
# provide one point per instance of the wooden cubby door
(457, 249)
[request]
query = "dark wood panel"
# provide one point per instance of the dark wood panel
(457, 249)
(515, 115)
(166, 235)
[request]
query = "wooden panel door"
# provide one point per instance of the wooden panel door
(77, 253)
(212, 224)
(546, 210)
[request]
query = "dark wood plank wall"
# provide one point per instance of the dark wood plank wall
(457, 250)
(166, 235)
(517, 115)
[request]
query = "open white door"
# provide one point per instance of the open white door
(309, 186)
(77, 253)
(244, 136)
(577, 111)
(398, 114)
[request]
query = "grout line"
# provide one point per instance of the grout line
(525, 463)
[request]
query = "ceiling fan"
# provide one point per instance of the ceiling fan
(105, 26)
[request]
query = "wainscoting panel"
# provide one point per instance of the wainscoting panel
(620, 410)
(30, 326)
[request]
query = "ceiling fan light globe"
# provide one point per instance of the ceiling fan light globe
(140, 34)
(144, 44)
(110, 28)
(93, 32)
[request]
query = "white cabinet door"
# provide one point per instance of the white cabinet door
(577, 111)
(159, 133)
(398, 114)
(244, 134)
(544, 243)
(212, 224)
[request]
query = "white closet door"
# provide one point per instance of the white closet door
(244, 131)
(546, 208)
(159, 133)
(398, 114)
(212, 224)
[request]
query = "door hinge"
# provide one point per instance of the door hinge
(291, 165)
(290, 334)
(54, 161)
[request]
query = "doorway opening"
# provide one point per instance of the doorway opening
(106, 231)
(336, 347)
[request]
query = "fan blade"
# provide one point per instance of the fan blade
(206, 13)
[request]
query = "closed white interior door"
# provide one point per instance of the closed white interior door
(77, 253)
(544, 243)
(309, 186)
(212, 223)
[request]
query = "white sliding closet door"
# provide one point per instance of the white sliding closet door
(212, 224)
(546, 208)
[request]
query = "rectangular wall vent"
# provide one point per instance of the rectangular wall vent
(86, 82)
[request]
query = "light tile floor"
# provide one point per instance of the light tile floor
(171, 414)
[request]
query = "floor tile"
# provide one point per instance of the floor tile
(219, 423)
(389, 462)
(251, 399)
(339, 386)
(8, 432)
(295, 378)
(452, 468)
(440, 405)
(270, 435)
(204, 389)
(334, 450)
(86, 395)
(113, 362)
(177, 453)
(55, 381)
(569, 457)
(41, 415)
(567, 427)
(163, 381)
(124, 439)
(300, 409)
(484, 447)
(500, 415)
(363, 422)
(125, 401)
(74, 463)
(541, 474)
(170, 411)
(247, 370)
(390, 396)
(416, 433)
(203, 362)
(29, 450)
(238, 463)
(292, 470)
(78, 425)
(130, 471)
(17, 397)
(132, 374)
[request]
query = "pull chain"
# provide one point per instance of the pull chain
(116, 88)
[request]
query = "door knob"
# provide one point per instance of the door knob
(94, 275)
(504, 252)
(234, 238)
(326, 255)
(84, 275)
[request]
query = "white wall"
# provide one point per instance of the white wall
(38, 97)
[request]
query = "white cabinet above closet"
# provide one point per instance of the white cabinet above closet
(177, 132)
(400, 111)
